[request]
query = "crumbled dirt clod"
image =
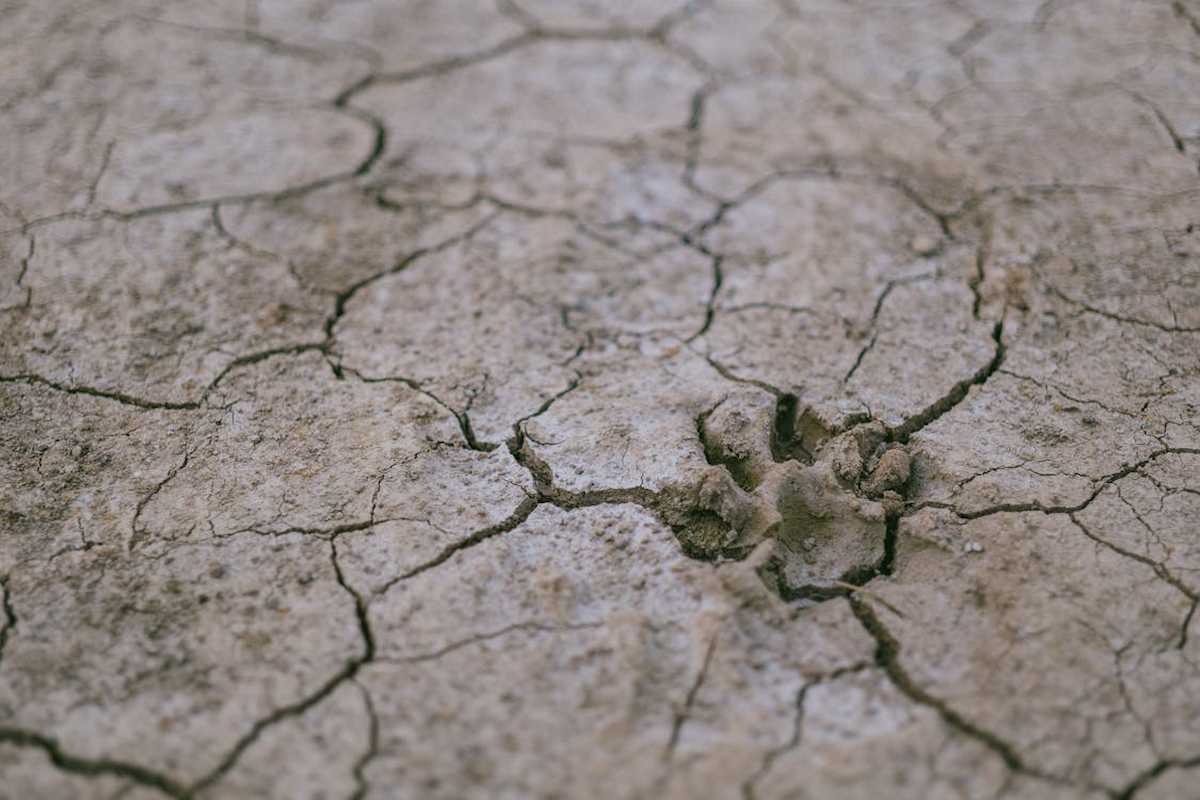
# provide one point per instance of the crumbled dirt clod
(891, 472)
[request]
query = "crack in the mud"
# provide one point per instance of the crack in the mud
(534, 32)
(479, 638)
(120, 397)
(361, 168)
(136, 534)
(21, 273)
(518, 516)
(983, 254)
(10, 614)
(1156, 567)
(887, 657)
(689, 701)
(304, 704)
(343, 297)
(330, 532)
(1121, 318)
(957, 393)
(710, 307)
(1101, 484)
(750, 785)
(167, 405)
(325, 346)
(1146, 777)
(88, 767)
(461, 418)
(862, 354)
(1184, 13)
(246, 35)
(360, 765)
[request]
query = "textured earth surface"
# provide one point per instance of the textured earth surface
(588, 399)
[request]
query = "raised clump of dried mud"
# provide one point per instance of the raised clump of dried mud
(531, 399)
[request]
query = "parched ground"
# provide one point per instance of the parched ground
(585, 399)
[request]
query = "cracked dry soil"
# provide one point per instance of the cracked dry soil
(579, 399)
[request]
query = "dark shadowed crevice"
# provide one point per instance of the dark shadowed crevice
(957, 393)
(301, 706)
(1145, 778)
(887, 657)
(88, 767)
(10, 614)
(681, 716)
(120, 397)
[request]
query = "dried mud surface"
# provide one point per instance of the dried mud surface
(565, 398)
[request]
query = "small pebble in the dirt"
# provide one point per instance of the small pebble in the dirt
(972, 547)
(924, 245)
